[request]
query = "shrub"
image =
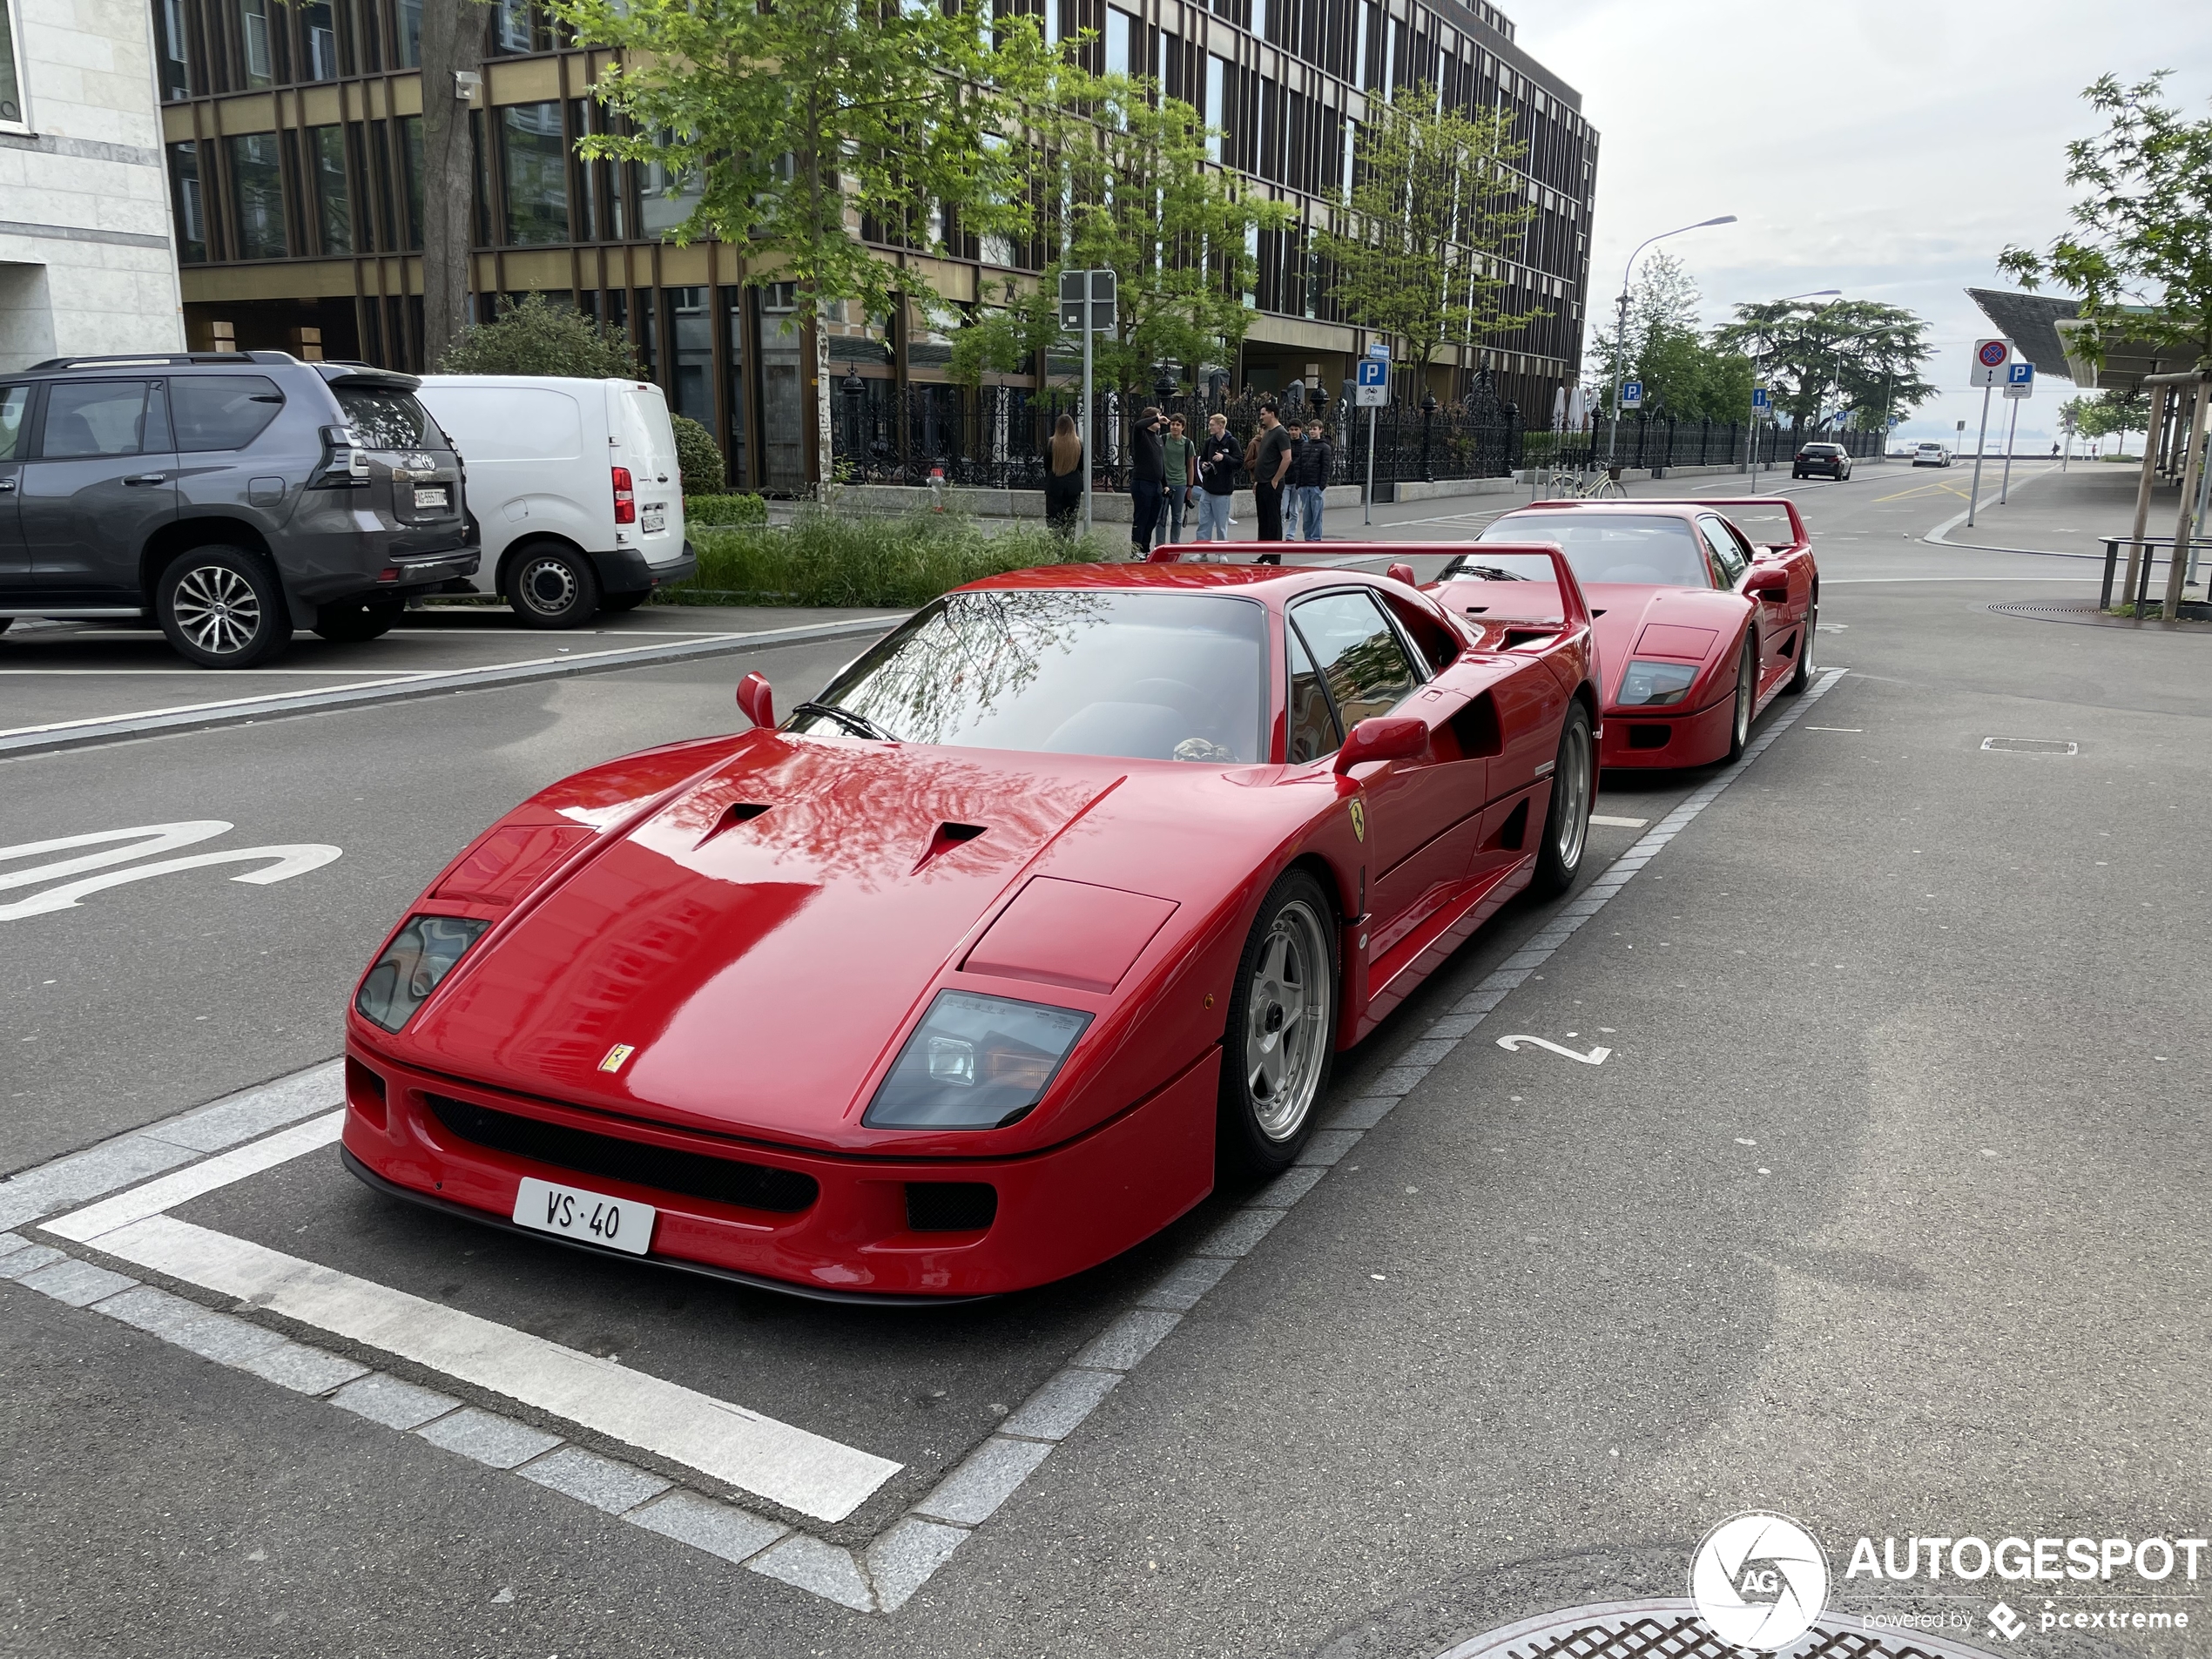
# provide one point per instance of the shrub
(536, 338)
(697, 457)
(711, 509)
(827, 559)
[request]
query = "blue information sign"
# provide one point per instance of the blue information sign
(1632, 394)
(1372, 389)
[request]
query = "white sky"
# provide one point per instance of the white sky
(1889, 150)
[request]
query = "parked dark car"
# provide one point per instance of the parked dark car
(1826, 460)
(228, 497)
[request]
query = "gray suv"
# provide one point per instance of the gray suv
(228, 497)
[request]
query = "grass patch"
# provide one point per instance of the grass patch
(824, 558)
(705, 511)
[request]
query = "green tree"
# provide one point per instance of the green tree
(2140, 254)
(1858, 356)
(698, 458)
(1137, 196)
(802, 122)
(538, 337)
(1419, 245)
(2109, 415)
(1684, 374)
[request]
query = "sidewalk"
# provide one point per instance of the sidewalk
(2050, 511)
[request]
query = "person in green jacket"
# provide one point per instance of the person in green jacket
(1181, 476)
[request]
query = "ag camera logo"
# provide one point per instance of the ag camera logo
(1759, 1581)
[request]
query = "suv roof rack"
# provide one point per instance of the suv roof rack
(166, 360)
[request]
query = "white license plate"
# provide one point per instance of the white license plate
(432, 495)
(652, 520)
(619, 1224)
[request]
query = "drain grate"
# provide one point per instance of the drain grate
(1670, 1628)
(2030, 746)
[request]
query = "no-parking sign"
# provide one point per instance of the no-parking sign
(1989, 358)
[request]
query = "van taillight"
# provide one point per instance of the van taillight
(625, 497)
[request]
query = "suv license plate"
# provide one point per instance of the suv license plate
(619, 1223)
(652, 520)
(432, 496)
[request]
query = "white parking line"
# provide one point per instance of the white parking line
(1618, 823)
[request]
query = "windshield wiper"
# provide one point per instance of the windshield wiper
(859, 724)
(1488, 573)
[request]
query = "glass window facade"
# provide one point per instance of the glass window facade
(258, 22)
(318, 41)
(333, 188)
(257, 191)
(172, 48)
(536, 174)
(691, 338)
(185, 200)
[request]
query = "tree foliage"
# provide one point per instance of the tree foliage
(2140, 254)
(1418, 247)
(537, 337)
(1134, 192)
(698, 458)
(802, 123)
(1685, 376)
(2109, 413)
(1857, 357)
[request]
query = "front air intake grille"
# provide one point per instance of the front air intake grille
(1650, 737)
(751, 1186)
(951, 1206)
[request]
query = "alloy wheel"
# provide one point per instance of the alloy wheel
(217, 610)
(1286, 1036)
(1747, 692)
(1572, 825)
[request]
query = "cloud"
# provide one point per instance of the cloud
(1890, 151)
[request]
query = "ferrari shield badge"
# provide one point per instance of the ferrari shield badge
(1360, 819)
(616, 1056)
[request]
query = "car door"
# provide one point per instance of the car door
(1417, 819)
(101, 480)
(14, 443)
(1731, 562)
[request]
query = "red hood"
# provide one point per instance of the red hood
(1624, 612)
(657, 941)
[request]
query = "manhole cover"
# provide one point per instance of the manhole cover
(1670, 1628)
(2031, 746)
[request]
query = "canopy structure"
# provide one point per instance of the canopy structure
(2043, 328)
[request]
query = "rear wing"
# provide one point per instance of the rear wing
(1799, 540)
(1575, 609)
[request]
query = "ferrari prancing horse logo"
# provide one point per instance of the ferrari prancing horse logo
(616, 1055)
(1360, 819)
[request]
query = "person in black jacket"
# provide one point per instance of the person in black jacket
(1219, 457)
(1147, 478)
(1311, 465)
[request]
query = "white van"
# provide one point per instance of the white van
(573, 486)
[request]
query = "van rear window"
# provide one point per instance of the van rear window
(389, 419)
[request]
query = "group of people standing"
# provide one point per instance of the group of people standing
(1175, 475)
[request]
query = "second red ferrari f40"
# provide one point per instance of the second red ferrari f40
(976, 969)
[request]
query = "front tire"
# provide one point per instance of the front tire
(222, 608)
(349, 622)
(549, 585)
(1747, 699)
(1566, 825)
(1280, 1037)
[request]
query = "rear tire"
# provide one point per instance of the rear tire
(620, 602)
(1280, 1036)
(221, 607)
(349, 622)
(549, 585)
(1803, 677)
(1747, 699)
(1566, 825)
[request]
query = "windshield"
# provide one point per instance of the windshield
(1149, 676)
(1652, 551)
(389, 419)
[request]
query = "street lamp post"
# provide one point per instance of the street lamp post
(1620, 332)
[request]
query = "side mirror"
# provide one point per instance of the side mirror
(1773, 586)
(1402, 573)
(1387, 737)
(757, 700)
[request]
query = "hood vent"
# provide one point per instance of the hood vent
(949, 836)
(737, 812)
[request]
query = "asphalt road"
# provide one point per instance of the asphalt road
(1885, 1210)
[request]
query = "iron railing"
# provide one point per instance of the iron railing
(1647, 441)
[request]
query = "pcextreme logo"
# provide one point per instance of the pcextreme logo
(1759, 1581)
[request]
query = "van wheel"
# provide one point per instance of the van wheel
(348, 622)
(222, 608)
(551, 586)
(625, 601)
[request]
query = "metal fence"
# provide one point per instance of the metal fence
(1659, 442)
(993, 437)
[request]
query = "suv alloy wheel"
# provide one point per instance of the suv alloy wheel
(221, 607)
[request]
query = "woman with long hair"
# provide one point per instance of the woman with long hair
(1063, 479)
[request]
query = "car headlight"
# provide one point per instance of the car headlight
(420, 955)
(975, 1061)
(1656, 684)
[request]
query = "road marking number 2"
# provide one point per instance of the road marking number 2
(281, 863)
(1595, 1057)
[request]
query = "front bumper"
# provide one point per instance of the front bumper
(1058, 1212)
(1647, 740)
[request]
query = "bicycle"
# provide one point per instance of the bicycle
(1571, 486)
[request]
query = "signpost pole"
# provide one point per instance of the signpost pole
(1367, 515)
(1088, 424)
(2011, 426)
(1973, 496)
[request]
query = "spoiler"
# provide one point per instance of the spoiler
(1575, 609)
